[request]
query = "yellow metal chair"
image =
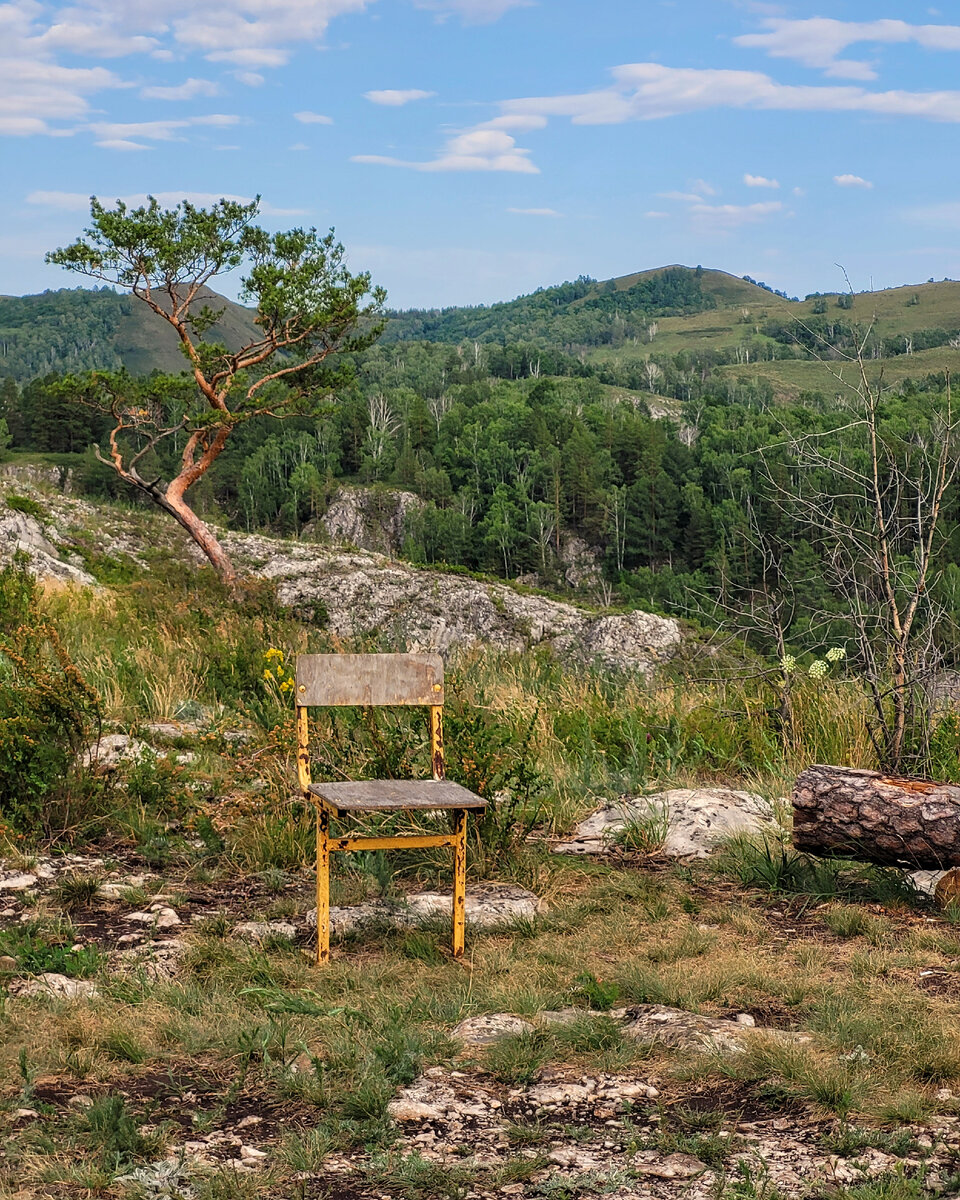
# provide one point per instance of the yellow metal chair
(380, 680)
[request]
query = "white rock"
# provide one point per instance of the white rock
(52, 984)
(403, 1110)
(429, 610)
(17, 883)
(674, 1166)
(114, 749)
(488, 1028)
(259, 932)
(690, 821)
(252, 1154)
(163, 918)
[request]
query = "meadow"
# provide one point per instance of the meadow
(95, 1089)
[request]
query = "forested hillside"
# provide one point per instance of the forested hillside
(658, 449)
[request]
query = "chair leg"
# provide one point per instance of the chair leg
(459, 880)
(323, 886)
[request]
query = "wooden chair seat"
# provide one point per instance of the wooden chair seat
(394, 795)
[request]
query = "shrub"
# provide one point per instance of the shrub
(47, 710)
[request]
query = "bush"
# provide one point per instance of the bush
(47, 710)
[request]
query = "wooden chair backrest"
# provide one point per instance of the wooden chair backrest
(338, 680)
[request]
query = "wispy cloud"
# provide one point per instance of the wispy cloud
(475, 150)
(80, 201)
(112, 134)
(729, 216)
(535, 212)
(396, 98)
(190, 89)
(819, 41)
(472, 12)
(760, 181)
(312, 118)
(650, 91)
(851, 181)
(945, 215)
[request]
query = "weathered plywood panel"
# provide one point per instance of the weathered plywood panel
(394, 795)
(336, 680)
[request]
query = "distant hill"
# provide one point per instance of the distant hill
(79, 330)
(733, 325)
(583, 313)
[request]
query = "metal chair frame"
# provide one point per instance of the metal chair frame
(380, 680)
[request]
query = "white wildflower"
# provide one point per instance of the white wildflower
(836, 654)
(788, 663)
(818, 669)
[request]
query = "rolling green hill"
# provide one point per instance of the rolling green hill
(704, 318)
(79, 329)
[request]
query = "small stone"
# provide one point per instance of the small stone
(17, 883)
(7, 963)
(674, 1166)
(747, 1020)
(404, 1110)
(52, 984)
(488, 1028)
(25, 1114)
(248, 1121)
(80, 1100)
(251, 1154)
(259, 932)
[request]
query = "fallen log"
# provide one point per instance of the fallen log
(840, 812)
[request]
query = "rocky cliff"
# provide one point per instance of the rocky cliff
(358, 592)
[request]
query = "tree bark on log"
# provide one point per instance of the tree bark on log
(839, 812)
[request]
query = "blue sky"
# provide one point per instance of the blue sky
(470, 150)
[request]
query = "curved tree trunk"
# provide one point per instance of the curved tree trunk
(839, 812)
(201, 533)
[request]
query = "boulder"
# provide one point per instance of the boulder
(369, 518)
(487, 1028)
(113, 749)
(681, 822)
(421, 609)
(21, 533)
(52, 984)
(488, 906)
(259, 932)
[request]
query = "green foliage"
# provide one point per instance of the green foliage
(47, 710)
(27, 505)
(599, 995)
(40, 946)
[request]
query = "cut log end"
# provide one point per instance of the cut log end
(842, 812)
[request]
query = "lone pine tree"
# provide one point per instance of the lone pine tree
(310, 310)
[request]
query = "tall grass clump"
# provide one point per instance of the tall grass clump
(47, 713)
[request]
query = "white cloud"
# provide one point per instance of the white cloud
(654, 215)
(41, 87)
(80, 201)
(396, 98)
(848, 181)
(249, 78)
(703, 188)
(190, 89)
(946, 215)
(157, 131)
(311, 118)
(760, 181)
(121, 144)
(651, 91)
(729, 216)
(475, 150)
(299, 146)
(818, 41)
(472, 12)
(535, 212)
